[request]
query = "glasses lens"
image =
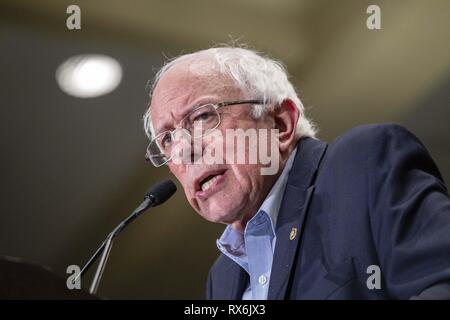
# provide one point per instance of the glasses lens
(157, 160)
(204, 118)
(158, 148)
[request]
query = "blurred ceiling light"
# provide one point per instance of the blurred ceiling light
(89, 75)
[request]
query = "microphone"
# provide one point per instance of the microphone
(156, 195)
(161, 191)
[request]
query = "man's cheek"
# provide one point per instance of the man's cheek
(176, 169)
(189, 193)
(179, 173)
(191, 199)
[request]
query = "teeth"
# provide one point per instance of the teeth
(208, 184)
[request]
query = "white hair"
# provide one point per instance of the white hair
(258, 77)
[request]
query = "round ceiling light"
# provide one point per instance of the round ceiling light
(88, 76)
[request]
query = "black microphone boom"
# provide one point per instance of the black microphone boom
(156, 195)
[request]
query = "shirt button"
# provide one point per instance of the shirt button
(262, 280)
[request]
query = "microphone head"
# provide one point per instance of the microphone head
(161, 191)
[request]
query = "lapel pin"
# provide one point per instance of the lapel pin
(293, 234)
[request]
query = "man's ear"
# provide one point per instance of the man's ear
(286, 117)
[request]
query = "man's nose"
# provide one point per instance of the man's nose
(180, 135)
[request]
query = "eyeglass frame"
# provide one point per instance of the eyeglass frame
(215, 105)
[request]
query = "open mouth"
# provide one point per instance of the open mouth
(209, 181)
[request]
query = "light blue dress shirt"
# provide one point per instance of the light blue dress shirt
(254, 249)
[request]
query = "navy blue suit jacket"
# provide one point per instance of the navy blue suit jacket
(372, 197)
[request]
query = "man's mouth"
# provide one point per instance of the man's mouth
(209, 182)
(206, 184)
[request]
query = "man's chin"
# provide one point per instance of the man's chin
(219, 216)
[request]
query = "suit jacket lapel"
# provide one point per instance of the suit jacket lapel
(239, 283)
(293, 210)
(231, 286)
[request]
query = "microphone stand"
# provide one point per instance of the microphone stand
(105, 247)
(101, 265)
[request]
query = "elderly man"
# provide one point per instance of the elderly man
(364, 217)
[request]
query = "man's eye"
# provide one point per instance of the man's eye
(166, 140)
(203, 117)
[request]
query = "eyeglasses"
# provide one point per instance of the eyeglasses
(206, 117)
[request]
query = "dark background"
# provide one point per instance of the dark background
(72, 168)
